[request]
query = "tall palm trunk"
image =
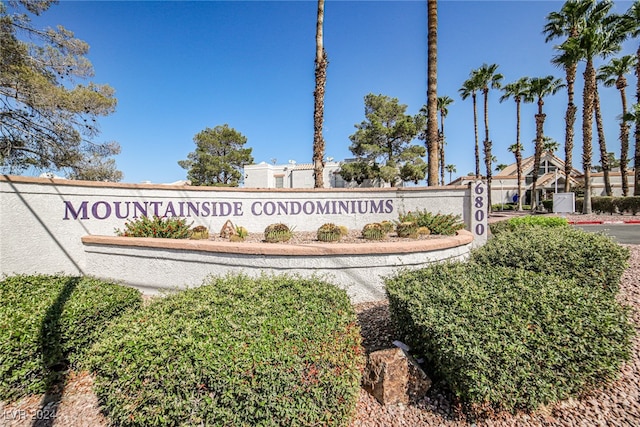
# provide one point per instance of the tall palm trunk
(475, 132)
(441, 140)
(487, 147)
(537, 155)
(604, 156)
(587, 131)
(636, 157)
(432, 91)
(570, 121)
(318, 94)
(518, 153)
(621, 84)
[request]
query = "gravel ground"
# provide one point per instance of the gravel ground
(616, 404)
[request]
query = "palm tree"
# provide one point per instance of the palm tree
(516, 149)
(549, 144)
(539, 88)
(318, 95)
(612, 74)
(518, 90)
(632, 20)
(600, 37)
(634, 116)
(604, 154)
(451, 169)
(432, 91)
(489, 78)
(470, 88)
(443, 104)
(568, 22)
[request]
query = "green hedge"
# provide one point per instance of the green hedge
(47, 323)
(611, 205)
(527, 221)
(509, 338)
(592, 259)
(237, 351)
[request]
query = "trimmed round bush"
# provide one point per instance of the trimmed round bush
(277, 350)
(593, 259)
(509, 339)
(48, 322)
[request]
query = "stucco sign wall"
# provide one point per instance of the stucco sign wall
(43, 220)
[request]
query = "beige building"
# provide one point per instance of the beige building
(551, 179)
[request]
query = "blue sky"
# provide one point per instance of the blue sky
(179, 67)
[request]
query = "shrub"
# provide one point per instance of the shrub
(504, 207)
(507, 338)
(424, 231)
(277, 233)
(373, 231)
(329, 233)
(241, 233)
(407, 229)
(499, 227)
(537, 221)
(527, 221)
(548, 205)
(603, 204)
(387, 226)
(199, 232)
(168, 228)
(47, 322)
(445, 224)
(593, 259)
(629, 204)
(344, 231)
(269, 351)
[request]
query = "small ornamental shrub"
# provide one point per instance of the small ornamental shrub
(329, 233)
(344, 231)
(277, 233)
(443, 224)
(387, 226)
(424, 231)
(241, 232)
(240, 235)
(199, 232)
(47, 323)
(373, 231)
(509, 339)
(168, 228)
(593, 259)
(272, 351)
(407, 229)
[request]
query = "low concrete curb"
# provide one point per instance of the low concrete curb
(631, 221)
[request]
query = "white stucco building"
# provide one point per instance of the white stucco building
(551, 178)
(298, 175)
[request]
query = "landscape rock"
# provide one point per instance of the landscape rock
(393, 378)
